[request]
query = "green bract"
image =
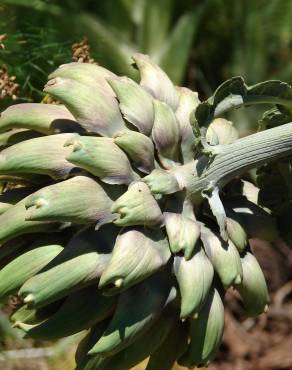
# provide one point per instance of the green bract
(135, 185)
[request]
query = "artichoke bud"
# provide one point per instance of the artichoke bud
(257, 222)
(24, 315)
(206, 333)
(138, 147)
(15, 273)
(194, 277)
(41, 155)
(31, 317)
(101, 157)
(253, 288)
(171, 348)
(78, 312)
(79, 200)
(224, 257)
(156, 81)
(143, 347)
(137, 254)
(161, 182)
(165, 134)
(221, 132)
(183, 233)
(43, 118)
(94, 110)
(137, 310)
(80, 264)
(13, 223)
(137, 206)
(85, 73)
(135, 103)
(188, 101)
(236, 233)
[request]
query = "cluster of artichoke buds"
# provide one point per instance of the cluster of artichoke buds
(107, 230)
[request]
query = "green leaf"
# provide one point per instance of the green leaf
(176, 50)
(156, 20)
(105, 44)
(234, 93)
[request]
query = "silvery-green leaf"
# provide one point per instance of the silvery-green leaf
(224, 257)
(221, 132)
(42, 155)
(162, 182)
(275, 117)
(16, 135)
(101, 157)
(235, 93)
(78, 200)
(156, 81)
(86, 73)
(80, 264)
(137, 309)
(183, 233)
(43, 118)
(13, 223)
(253, 289)
(206, 333)
(138, 147)
(188, 101)
(135, 103)
(165, 133)
(137, 254)
(194, 278)
(95, 110)
(137, 206)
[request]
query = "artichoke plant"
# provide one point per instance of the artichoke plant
(124, 214)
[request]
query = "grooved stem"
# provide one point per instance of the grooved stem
(236, 158)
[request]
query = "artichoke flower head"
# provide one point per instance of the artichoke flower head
(139, 258)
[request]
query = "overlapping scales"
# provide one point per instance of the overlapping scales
(108, 173)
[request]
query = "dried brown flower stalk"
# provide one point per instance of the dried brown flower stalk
(81, 52)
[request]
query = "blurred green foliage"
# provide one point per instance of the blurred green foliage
(198, 42)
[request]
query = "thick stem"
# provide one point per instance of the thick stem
(235, 159)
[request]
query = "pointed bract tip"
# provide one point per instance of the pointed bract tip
(118, 283)
(28, 299)
(16, 325)
(238, 280)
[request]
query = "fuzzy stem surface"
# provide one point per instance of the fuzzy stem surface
(235, 158)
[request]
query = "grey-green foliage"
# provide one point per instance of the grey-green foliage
(40, 34)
